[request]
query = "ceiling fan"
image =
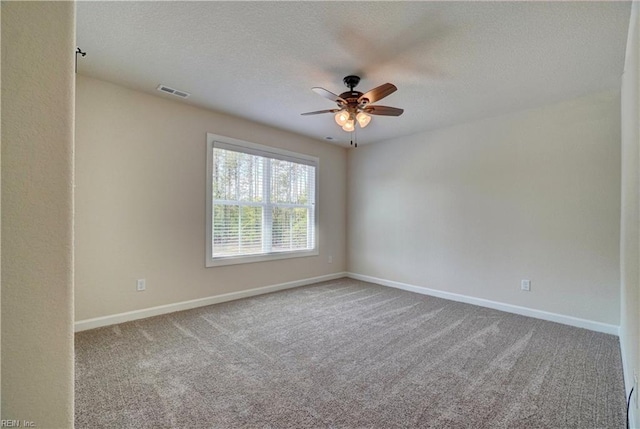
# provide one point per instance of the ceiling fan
(355, 106)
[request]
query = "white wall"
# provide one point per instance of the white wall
(38, 40)
(630, 220)
(475, 208)
(140, 202)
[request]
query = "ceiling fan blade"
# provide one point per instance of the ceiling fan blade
(378, 93)
(383, 110)
(317, 112)
(329, 95)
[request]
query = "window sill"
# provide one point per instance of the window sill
(234, 260)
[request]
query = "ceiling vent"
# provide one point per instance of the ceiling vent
(173, 91)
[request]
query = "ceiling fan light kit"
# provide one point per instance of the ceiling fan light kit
(355, 106)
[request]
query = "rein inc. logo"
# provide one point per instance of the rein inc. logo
(17, 424)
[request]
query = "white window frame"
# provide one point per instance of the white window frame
(215, 140)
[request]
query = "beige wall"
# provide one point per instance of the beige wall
(630, 220)
(0, 237)
(38, 40)
(140, 202)
(475, 208)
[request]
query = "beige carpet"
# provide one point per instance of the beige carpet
(347, 354)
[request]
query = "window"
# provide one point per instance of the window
(261, 202)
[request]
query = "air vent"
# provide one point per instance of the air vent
(176, 92)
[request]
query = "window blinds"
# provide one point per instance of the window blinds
(262, 203)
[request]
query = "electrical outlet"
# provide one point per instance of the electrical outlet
(525, 285)
(330, 259)
(141, 285)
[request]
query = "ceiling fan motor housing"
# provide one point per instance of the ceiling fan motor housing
(353, 98)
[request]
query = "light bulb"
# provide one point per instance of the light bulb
(363, 119)
(349, 126)
(341, 117)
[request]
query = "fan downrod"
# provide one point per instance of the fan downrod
(351, 81)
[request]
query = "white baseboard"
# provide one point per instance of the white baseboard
(83, 325)
(509, 308)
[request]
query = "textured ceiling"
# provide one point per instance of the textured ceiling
(451, 61)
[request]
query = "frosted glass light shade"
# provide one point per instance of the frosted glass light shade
(349, 126)
(363, 119)
(341, 117)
